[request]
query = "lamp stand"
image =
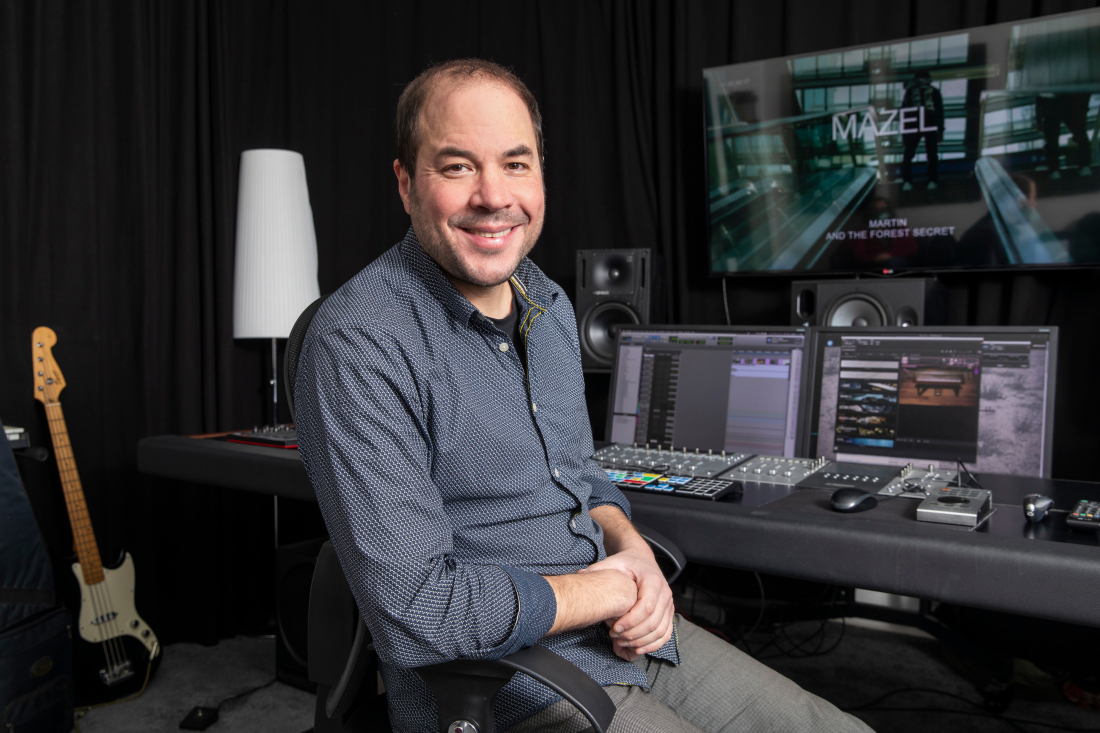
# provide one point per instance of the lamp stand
(274, 384)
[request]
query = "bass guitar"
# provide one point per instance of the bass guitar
(117, 651)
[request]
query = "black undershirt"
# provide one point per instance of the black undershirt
(510, 325)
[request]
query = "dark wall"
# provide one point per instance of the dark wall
(121, 128)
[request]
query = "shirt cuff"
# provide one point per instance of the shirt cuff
(617, 499)
(670, 652)
(536, 609)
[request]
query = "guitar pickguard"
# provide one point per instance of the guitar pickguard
(107, 608)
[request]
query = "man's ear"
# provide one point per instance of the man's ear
(403, 184)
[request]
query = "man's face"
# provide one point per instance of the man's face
(477, 198)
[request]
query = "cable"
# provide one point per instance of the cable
(726, 302)
(246, 693)
(868, 707)
(950, 712)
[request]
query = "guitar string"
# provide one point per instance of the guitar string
(112, 624)
(107, 651)
(113, 649)
(115, 642)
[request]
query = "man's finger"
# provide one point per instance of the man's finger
(651, 602)
(653, 628)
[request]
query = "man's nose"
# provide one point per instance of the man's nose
(493, 191)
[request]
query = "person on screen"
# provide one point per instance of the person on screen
(928, 126)
(1054, 110)
(442, 422)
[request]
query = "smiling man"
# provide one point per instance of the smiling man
(441, 418)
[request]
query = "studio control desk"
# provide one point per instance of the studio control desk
(1043, 570)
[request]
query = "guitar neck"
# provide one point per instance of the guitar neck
(87, 550)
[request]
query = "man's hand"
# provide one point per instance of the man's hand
(648, 625)
(590, 598)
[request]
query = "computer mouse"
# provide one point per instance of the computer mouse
(853, 500)
(1036, 507)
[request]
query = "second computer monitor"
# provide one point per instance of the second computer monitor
(982, 395)
(709, 388)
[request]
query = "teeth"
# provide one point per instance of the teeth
(490, 235)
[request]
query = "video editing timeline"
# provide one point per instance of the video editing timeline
(716, 390)
(935, 396)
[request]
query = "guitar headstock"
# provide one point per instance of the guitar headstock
(48, 381)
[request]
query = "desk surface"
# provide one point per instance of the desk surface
(1008, 565)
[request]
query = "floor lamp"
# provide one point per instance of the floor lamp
(275, 276)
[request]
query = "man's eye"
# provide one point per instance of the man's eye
(517, 166)
(455, 168)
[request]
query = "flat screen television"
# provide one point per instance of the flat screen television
(973, 149)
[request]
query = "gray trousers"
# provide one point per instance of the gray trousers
(716, 689)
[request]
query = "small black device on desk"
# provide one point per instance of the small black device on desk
(1036, 507)
(1085, 517)
(852, 500)
(278, 436)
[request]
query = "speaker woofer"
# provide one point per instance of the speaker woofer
(857, 309)
(599, 332)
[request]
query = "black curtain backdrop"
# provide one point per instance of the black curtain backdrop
(121, 128)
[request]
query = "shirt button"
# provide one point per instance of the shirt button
(557, 473)
(503, 347)
(534, 407)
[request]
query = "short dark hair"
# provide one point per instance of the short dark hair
(416, 94)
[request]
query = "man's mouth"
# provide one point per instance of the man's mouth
(488, 234)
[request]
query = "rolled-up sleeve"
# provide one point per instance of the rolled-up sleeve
(604, 490)
(364, 440)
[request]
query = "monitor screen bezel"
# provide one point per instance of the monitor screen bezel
(667, 328)
(869, 271)
(821, 334)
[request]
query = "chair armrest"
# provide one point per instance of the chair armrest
(333, 620)
(665, 549)
(464, 689)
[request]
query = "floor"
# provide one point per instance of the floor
(864, 665)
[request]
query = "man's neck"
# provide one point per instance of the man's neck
(493, 302)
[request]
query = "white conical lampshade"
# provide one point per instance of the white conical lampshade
(276, 261)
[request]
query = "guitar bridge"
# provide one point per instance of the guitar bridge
(116, 673)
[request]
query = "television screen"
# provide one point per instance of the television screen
(973, 149)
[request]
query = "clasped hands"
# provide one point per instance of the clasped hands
(646, 623)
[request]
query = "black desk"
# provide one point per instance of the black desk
(1007, 565)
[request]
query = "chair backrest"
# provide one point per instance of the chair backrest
(294, 349)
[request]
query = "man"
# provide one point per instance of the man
(927, 125)
(441, 415)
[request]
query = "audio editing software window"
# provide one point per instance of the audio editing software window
(711, 391)
(935, 398)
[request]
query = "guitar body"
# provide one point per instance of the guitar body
(101, 676)
(116, 652)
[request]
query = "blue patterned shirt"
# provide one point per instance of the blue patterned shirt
(451, 479)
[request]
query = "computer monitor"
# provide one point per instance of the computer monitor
(983, 395)
(737, 389)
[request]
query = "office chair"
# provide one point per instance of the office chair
(341, 655)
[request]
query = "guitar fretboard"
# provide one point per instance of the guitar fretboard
(87, 551)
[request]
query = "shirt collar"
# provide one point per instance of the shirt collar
(532, 282)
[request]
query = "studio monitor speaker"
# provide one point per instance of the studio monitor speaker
(294, 565)
(874, 303)
(615, 287)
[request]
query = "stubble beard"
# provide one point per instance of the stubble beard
(435, 241)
